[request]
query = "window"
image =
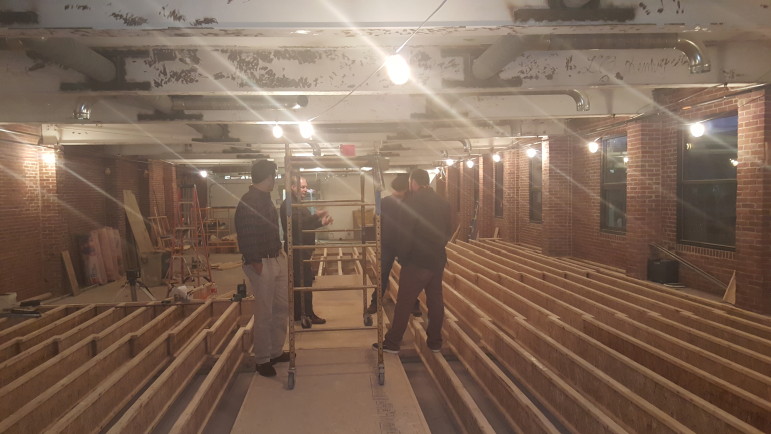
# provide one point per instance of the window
(536, 183)
(613, 185)
(707, 211)
(498, 177)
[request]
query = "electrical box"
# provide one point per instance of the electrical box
(663, 271)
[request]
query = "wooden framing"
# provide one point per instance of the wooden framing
(721, 395)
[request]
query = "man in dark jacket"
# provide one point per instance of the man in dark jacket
(390, 216)
(302, 220)
(256, 222)
(421, 252)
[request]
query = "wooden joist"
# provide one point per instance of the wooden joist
(33, 406)
(521, 413)
(560, 345)
(201, 407)
(32, 324)
(146, 412)
(462, 405)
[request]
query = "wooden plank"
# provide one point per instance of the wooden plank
(569, 406)
(31, 358)
(203, 404)
(74, 287)
(137, 222)
(32, 324)
(146, 412)
(462, 405)
(742, 404)
(21, 344)
(50, 404)
(565, 349)
(521, 414)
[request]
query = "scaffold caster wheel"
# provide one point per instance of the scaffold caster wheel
(305, 322)
(290, 381)
(367, 320)
(381, 377)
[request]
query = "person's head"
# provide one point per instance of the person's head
(400, 185)
(419, 179)
(264, 175)
(299, 186)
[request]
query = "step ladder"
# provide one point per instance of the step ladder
(189, 263)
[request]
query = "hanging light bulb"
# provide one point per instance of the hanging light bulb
(496, 158)
(306, 130)
(449, 161)
(470, 163)
(203, 173)
(278, 132)
(697, 129)
(593, 146)
(398, 69)
(531, 152)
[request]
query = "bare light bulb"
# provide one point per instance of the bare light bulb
(496, 158)
(470, 164)
(203, 173)
(593, 146)
(278, 132)
(530, 152)
(49, 157)
(398, 69)
(306, 130)
(697, 129)
(449, 161)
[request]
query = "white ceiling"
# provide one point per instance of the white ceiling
(260, 53)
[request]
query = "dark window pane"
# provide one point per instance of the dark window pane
(498, 167)
(713, 155)
(709, 213)
(613, 184)
(535, 206)
(614, 209)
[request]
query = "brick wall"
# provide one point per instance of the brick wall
(557, 199)
(508, 223)
(486, 196)
(20, 167)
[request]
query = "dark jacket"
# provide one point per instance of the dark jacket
(302, 219)
(390, 222)
(426, 228)
(256, 222)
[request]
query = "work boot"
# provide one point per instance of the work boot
(315, 319)
(372, 309)
(266, 369)
(284, 357)
(386, 348)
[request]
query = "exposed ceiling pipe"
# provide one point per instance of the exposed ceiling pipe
(213, 133)
(197, 102)
(508, 48)
(69, 53)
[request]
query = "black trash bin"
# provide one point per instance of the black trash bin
(663, 271)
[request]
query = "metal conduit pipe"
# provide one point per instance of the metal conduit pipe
(510, 47)
(69, 53)
(197, 102)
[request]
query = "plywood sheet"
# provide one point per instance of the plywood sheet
(137, 222)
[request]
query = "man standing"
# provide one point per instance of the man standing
(256, 222)
(302, 220)
(421, 252)
(390, 215)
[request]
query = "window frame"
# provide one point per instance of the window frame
(682, 183)
(611, 186)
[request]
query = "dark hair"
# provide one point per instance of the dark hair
(262, 170)
(420, 176)
(401, 182)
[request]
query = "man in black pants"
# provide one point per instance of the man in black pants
(390, 216)
(302, 219)
(421, 252)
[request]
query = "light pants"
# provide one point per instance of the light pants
(270, 307)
